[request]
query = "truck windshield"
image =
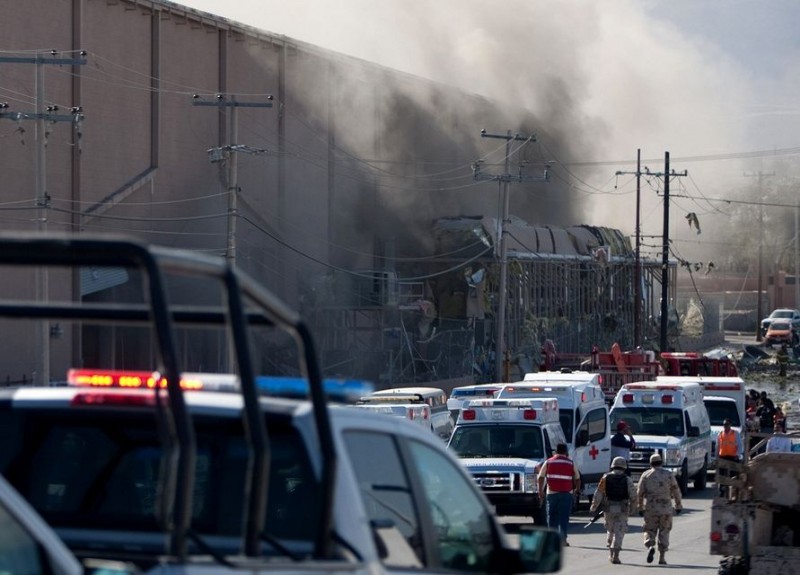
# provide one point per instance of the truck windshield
(719, 411)
(650, 420)
(524, 441)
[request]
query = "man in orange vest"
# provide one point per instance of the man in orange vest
(560, 477)
(729, 446)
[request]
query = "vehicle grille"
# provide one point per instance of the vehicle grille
(498, 481)
(640, 457)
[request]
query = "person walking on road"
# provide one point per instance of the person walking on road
(616, 496)
(657, 488)
(622, 442)
(558, 481)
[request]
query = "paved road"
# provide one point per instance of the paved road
(689, 542)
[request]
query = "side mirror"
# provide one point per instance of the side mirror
(582, 438)
(694, 431)
(540, 549)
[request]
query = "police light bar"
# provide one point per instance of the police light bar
(339, 390)
(127, 379)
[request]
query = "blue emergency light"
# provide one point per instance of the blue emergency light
(338, 390)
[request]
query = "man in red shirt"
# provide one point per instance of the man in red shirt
(558, 481)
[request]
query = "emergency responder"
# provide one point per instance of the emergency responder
(657, 487)
(622, 442)
(559, 480)
(616, 496)
(729, 446)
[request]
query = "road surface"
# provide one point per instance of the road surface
(689, 542)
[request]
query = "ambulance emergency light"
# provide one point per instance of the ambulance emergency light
(509, 409)
(343, 390)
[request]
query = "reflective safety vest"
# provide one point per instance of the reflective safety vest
(727, 444)
(560, 474)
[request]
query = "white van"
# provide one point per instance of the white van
(583, 414)
(669, 419)
(441, 422)
(725, 398)
(462, 395)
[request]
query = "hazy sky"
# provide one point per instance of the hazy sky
(696, 78)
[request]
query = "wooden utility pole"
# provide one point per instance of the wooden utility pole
(637, 274)
(759, 309)
(229, 153)
(502, 294)
(663, 342)
(42, 116)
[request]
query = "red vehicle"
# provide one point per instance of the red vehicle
(780, 331)
(618, 368)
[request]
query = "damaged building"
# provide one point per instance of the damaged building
(423, 322)
(316, 173)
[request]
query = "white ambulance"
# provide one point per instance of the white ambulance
(583, 414)
(440, 421)
(669, 419)
(462, 395)
(408, 407)
(502, 443)
(725, 398)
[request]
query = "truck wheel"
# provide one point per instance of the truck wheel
(700, 478)
(683, 480)
(733, 566)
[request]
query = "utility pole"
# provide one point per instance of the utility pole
(796, 257)
(229, 153)
(42, 116)
(663, 343)
(759, 311)
(637, 273)
(504, 179)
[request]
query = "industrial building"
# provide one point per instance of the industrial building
(346, 188)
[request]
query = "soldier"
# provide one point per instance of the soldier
(616, 496)
(657, 488)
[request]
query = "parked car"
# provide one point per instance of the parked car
(792, 315)
(780, 331)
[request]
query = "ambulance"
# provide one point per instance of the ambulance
(669, 419)
(725, 398)
(502, 443)
(462, 395)
(409, 407)
(583, 414)
(439, 417)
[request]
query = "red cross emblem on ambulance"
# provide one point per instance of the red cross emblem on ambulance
(594, 451)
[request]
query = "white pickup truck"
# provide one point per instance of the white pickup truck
(144, 465)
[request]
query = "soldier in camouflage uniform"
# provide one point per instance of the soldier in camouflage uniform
(616, 496)
(657, 488)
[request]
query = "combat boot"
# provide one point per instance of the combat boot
(661, 560)
(615, 556)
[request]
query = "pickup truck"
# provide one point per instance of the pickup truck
(27, 543)
(165, 469)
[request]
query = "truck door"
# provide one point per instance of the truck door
(593, 446)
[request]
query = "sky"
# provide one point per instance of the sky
(712, 82)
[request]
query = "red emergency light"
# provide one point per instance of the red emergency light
(627, 398)
(468, 414)
(118, 399)
(124, 379)
(667, 399)
(529, 414)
